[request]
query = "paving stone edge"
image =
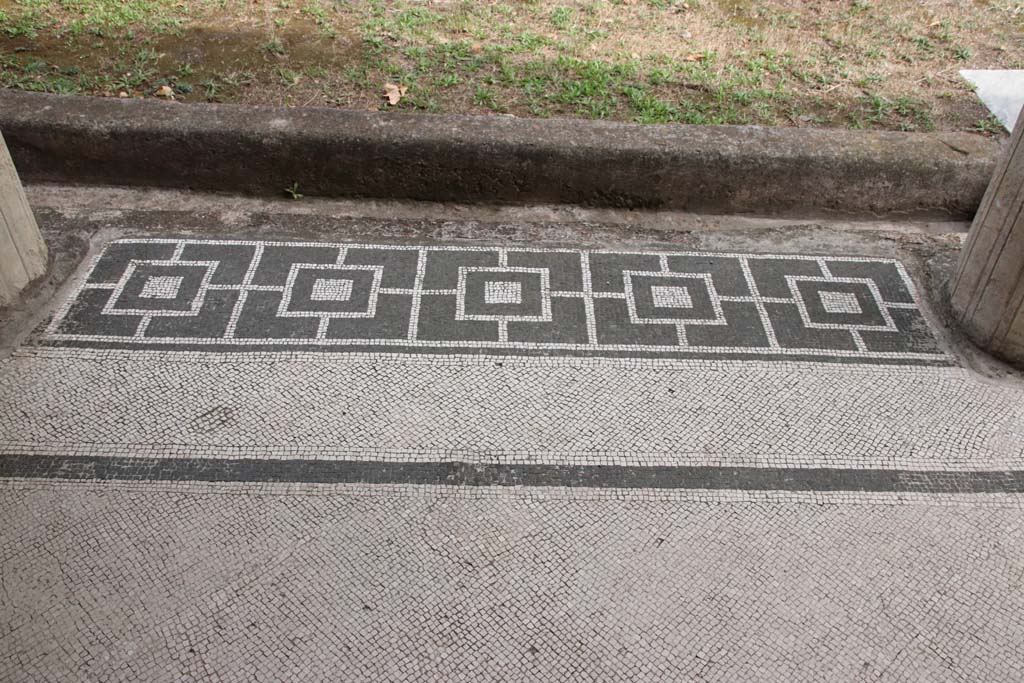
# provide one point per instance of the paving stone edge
(337, 153)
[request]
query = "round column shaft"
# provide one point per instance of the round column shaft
(987, 291)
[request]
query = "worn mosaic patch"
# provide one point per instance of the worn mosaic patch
(236, 295)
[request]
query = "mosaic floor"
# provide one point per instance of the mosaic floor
(245, 460)
(233, 295)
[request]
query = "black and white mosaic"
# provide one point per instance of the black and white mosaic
(462, 474)
(143, 582)
(509, 503)
(238, 295)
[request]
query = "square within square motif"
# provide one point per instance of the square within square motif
(161, 287)
(327, 289)
(503, 293)
(840, 302)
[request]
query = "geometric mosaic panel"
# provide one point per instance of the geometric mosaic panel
(235, 295)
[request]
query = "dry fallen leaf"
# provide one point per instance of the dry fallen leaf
(394, 92)
(122, 94)
(694, 57)
(164, 91)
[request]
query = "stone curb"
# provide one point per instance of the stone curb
(328, 152)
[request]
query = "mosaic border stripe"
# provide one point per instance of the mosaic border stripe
(117, 468)
(792, 357)
(231, 295)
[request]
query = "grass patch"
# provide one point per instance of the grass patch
(859, 64)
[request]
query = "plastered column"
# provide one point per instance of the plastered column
(22, 250)
(987, 291)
